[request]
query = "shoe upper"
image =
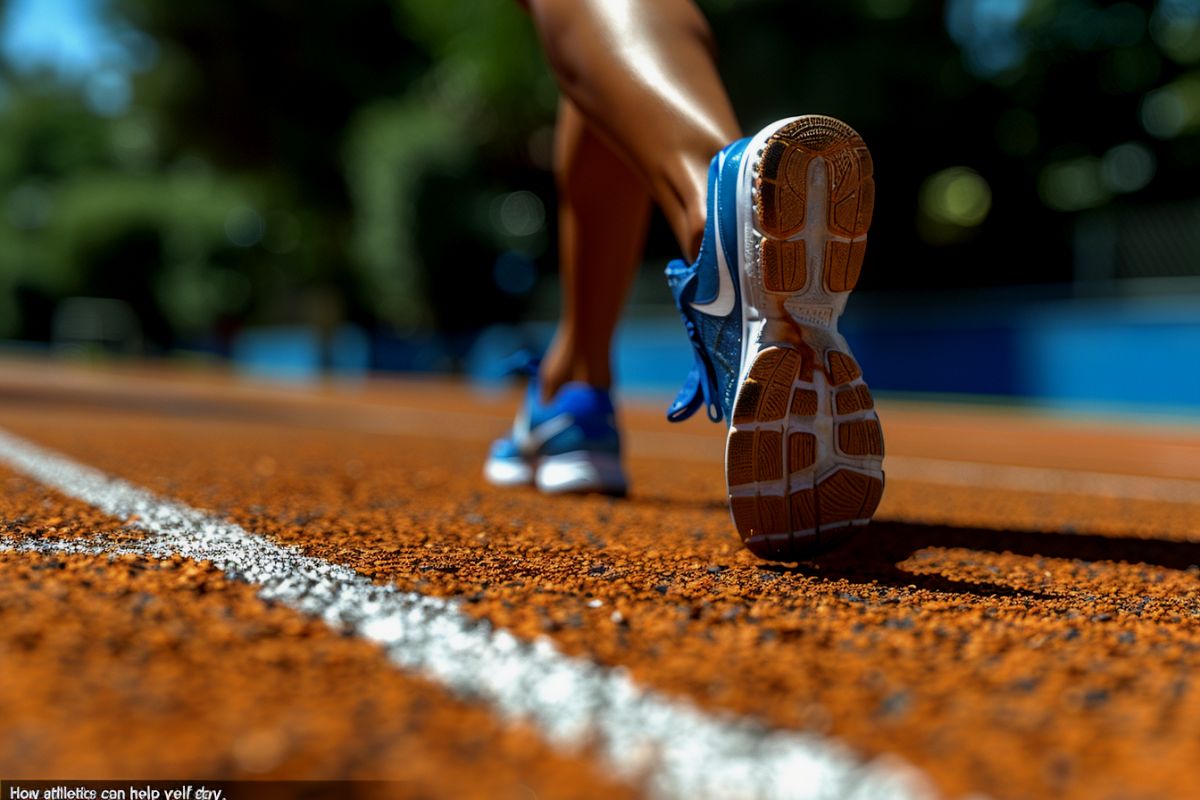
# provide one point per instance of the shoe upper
(708, 294)
(578, 417)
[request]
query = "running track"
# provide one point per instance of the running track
(316, 584)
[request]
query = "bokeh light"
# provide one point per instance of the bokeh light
(1175, 27)
(1074, 184)
(1128, 167)
(244, 226)
(521, 213)
(1173, 109)
(956, 196)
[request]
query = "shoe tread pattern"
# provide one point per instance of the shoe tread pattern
(782, 203)
(782, 507)
(804, 453)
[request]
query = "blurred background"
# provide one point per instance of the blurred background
(304, 190)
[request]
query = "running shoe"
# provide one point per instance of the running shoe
(788, 212)
(569, 444)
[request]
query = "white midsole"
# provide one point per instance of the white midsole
(508, 472)
(752, 318)
(581, 471)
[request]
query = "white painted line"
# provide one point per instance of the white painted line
(1046, 480)
(951, 472)
(679, 750)
(937, 471)
(481, 426)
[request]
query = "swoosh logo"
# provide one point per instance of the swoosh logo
(529, 441)
(722, 304)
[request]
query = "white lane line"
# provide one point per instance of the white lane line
(481, 426)
(952, 472)
(1046, 480)
(937, 471)
(679, 750)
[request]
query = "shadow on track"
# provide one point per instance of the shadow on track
(877, 550)
(873, 553)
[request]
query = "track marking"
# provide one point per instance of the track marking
(397, 419)
(1046, 480)
(406, 421)
(677, 749)
(952, 472)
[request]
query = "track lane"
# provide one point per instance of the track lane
(144, 668)
(930, 689)
(669, 746)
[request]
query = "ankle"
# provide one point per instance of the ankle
(557, 372)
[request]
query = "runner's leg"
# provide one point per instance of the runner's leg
(604, 208)
(643, 75)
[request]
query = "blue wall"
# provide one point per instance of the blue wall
(1073, 353)
(1065, 352)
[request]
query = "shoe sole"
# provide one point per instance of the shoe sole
(508, 472)
(804, 453)
(581, 472)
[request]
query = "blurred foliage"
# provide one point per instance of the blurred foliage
(342, 161)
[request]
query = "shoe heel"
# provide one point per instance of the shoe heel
(814, 194)
(581, 472)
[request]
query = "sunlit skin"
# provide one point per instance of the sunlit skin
(603, 211)
(644, 113)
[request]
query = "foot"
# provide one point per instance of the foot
(788, 212)
(569, 444)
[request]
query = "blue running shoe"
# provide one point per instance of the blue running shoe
(567, 445)
(788, 212)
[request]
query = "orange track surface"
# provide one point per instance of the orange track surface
(1020, 621)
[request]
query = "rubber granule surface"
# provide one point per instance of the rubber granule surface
(160, 669)
(1019, 644)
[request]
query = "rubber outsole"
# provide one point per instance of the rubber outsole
(804, 453)
(580, 472)
(508, 472)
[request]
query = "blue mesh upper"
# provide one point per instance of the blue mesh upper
(591, 423)
(716, 340)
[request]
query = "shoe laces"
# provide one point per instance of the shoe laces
(700, 385)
